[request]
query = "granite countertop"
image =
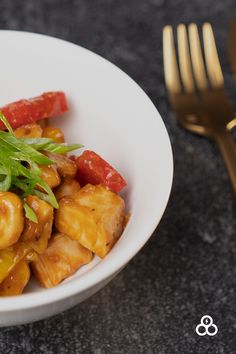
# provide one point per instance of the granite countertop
(188, 268)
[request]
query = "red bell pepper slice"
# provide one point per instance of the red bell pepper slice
(26, 111)
(92, 168)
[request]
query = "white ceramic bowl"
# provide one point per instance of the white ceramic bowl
(109, 113)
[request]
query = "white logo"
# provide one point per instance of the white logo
(206, 327)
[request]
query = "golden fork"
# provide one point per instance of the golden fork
(232, 45)
(196, 88)
(232, 55)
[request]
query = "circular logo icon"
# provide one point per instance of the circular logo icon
(206, 326)
(207, 320)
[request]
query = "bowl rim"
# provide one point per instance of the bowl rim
(100, 272)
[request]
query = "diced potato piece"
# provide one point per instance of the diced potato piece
(67, 189)
(56, 134)
(50, 175)
(38, 234)
(11, 256)
(16, 281)
(11, 219)
(65, 166)
(60, 260)
(108, 208)
(97, 223)
(29, 131)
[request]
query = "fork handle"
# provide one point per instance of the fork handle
(227, 148)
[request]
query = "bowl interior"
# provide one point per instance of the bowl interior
(110, 114)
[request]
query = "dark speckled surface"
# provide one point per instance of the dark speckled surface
(188, 268)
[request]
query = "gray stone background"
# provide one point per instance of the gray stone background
(188, 268)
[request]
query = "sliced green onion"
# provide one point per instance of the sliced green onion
(19, 160)
(29, 213)
(5, 122)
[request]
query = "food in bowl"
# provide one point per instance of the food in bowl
(56, 211)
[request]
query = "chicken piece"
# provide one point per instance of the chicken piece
(11, 219)
(108, 209)
(67, 189)
(79, 224)
(56, 134)
(50, 175)
(16, 281)
(11, 256)
(38, 234)
(29, 131)
(65, 166)
(94, 217)
(60, 260)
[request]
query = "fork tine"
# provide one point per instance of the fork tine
(212, 60)
(184, 59)
(170, 62)
(197, 58)
(232, 45)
